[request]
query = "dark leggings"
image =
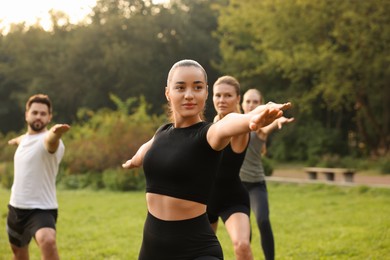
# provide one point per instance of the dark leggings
(207, 258)
(259, 204)
(190, 239)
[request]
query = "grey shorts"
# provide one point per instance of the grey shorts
(22, 224)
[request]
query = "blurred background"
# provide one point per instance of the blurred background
(105, 64)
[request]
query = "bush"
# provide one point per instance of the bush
(124, 180)
(267, 165)
(7, 151)
(107, 138)
(6, 174)
(91, 180)
(384, 165)
(74, 182)
(330, 161)
(303, 142)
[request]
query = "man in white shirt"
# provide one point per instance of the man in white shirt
(33, 206)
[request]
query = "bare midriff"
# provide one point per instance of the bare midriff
(169, 208)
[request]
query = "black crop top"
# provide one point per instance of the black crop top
(181, 163)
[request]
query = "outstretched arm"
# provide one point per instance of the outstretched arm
(234, 124)
(16, 140)
(239, 142)
(277, 124)
(52, 140)
(263, 132)
(138, 158)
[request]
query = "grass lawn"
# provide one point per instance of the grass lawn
(311, 221)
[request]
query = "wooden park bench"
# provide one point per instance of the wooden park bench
(330, 173)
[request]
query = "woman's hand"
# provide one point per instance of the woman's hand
(284, 120)
(128, 165)
(265, 118)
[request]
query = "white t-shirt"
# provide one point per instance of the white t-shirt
(35, 172)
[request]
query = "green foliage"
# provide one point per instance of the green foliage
(6, 174)
(307, 142)
(7, 151)
(124, 180)
(126, 49)
(329, 58)
(115, 179)
(267, 165)
(90, 180)
(330, 161)
(384, 165)
(108, 138)
(96, 146)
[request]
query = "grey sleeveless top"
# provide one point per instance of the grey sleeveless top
(252, 169)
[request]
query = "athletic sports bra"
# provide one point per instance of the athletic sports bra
(181, 164)
(229, 169)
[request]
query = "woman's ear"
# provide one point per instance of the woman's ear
(167, 93)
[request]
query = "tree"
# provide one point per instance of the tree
(330, 57)
(123, 47)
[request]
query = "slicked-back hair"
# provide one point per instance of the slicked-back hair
(258, 92)
(229, 80)
(39, 98)
(184, 63)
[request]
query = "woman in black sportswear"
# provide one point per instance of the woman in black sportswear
(180, 164)
(229, 199)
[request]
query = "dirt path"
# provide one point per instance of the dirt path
(297, 175)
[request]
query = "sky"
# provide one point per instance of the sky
(29, 11)
(16, 11)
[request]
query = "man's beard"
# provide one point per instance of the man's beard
(37, 125)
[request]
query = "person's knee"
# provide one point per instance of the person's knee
(242, 247)
(47, 241)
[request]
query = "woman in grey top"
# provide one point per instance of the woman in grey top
(252, 172)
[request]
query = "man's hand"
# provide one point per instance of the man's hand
(60, 128)
(52, 139)
(16, 140)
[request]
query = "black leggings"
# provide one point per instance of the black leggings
(259, 204)
(182, 240)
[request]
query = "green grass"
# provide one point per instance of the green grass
(311, 221)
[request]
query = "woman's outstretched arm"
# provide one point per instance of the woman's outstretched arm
(138, 158)
(233, 124)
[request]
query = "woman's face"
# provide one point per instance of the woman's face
(187, 92)
(225, 99)
(251, 100)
